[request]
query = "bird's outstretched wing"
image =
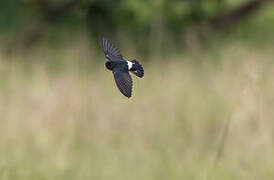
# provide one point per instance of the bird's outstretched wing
(123, 82)
(112, 53)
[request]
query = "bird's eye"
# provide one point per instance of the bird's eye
(109, 65)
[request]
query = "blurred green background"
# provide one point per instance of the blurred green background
(204, 109)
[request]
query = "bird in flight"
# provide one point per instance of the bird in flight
(120, 67)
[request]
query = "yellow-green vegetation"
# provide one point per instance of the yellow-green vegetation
(196, 116)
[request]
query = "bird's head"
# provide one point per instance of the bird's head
(109, 65)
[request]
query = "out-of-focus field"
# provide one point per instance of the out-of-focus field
(196, 116)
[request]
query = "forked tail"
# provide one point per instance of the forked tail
(137, 68)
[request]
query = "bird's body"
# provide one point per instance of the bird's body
(110, 65)
(120, 67)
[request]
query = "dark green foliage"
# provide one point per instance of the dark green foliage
(150, 24)
(107, 15)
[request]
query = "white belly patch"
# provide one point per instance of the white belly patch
(129, 64)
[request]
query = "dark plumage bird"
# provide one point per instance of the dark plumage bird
(120, 67)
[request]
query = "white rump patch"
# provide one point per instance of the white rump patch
(129, 64)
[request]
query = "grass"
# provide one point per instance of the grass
(191, 117)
